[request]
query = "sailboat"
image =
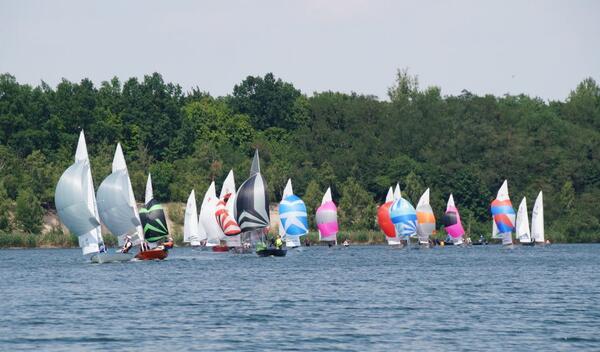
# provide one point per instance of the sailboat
(293, 219)
(404, 218)
(425, 219)
(224, 212)
(154, 224)
(452, 223)
(191, 228)
(77, 209)
(504, 215)
(522, 225)
(537, 220)
(252, 211)
(214, 233)
(326, 218)
(384, 220)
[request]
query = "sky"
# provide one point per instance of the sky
(539, 48)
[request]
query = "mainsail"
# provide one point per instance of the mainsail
(503, 214)
(116, 202)
(397, 192)
(326, 218)
(537, 219)
(208, 219)
(425, 218)
(224, 211)
(404, 218)
(76, 203)
(452, 223)
(522, 224)
(191, 231)
(384, 220)
(252, 200)
(152, 217)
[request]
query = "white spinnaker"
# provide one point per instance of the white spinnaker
(74, 191)
(214, 233)
(537, 219)
(522, 224)
(191, 230)
(117, 165)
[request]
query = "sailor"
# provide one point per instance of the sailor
(346, 243)
(127, 245)
(278, 242)
(169, 243)
(272, 242)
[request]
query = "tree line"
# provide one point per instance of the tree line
(357, 144)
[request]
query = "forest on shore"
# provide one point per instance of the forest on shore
(357, 144)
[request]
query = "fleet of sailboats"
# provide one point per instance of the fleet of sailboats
(240, 218)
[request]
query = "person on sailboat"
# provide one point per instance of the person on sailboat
(127, 245)
(169, 243)
(272, 242)
(278, 242)
(346, 243)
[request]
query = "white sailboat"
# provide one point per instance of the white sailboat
(116, 202)
(537, 220)
(226, 219)
(77, 208)
(326, 219)
(522, 224)
(290, 242)
(214, 233)
(191, 229)
(293, 219)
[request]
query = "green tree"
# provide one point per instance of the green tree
(28, 212)
(5, 209)
(357, 210)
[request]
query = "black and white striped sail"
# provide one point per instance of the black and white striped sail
(76, 202)
(116, 202)
(252, 201)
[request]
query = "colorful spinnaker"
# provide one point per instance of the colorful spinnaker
(537, 220)
(503, 214)
(152, 217)
(452, 223)
(224, 211)
(326, 218)
(404, 218)
(293, 217)
(384, 220)
(425, 218)
(522, 223)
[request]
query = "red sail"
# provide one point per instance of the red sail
(228, 224)
(384, 220)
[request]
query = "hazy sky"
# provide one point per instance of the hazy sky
(541, 48)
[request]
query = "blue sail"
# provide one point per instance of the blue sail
(294, 218)
(404, 217)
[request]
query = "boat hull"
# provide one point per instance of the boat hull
(220, 249)
(152, 254)
(111, 257)
(271, 252)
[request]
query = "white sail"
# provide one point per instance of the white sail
(397, 192)
(522, 224)
(327, 196)
(287, 191)
(116, 202)
(292, 241)
(191, 231)
(76, 202)
(214, 233)
(149, 192)
(390, 195)
(228, 186)
(537, 219)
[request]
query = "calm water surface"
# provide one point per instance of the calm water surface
(355, 299)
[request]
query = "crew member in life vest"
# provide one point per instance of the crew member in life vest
(278, 242)
(169, 243)
(127, 245)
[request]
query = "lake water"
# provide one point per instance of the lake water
(355, 299)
